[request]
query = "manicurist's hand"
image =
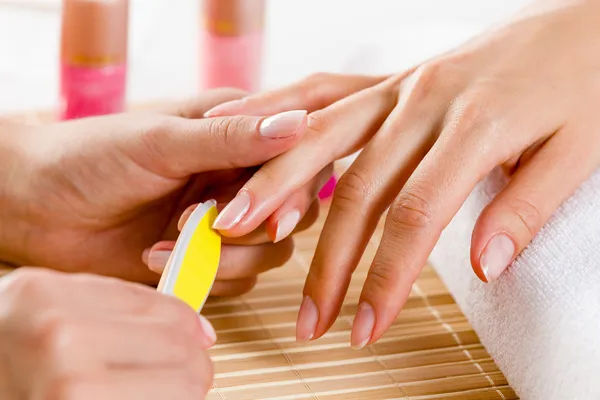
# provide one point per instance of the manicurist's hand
(92, 195)
(523, 97)
(85, 337)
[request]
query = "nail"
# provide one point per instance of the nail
(157, 260)
(496, 256)
(363, 325)
(227, 108)
(145, 255)
(208, 330)
(307, 320)
(282, 125)
(286, 225)
(233, 213)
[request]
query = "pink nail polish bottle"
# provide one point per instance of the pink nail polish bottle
(231, 44)
(93, 57)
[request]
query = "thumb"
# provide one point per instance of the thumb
(182, 147)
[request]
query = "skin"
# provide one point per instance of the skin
(521, 97)
(124, 346)
(94, 195)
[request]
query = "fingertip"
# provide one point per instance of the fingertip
(285, 125)
(208, 331)
(225, 109)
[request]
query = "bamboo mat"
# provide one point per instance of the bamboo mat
(430, 352)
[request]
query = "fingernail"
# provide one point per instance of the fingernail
(362, 328)
(286, 225)
(307, 320)
(496, 256)
(208, 330)
(145, 255)
(157, 260)
(282, 125)
(233, 212)
(227, 108)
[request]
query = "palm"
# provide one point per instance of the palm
(104, 225)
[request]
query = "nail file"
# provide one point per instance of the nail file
(192, 268)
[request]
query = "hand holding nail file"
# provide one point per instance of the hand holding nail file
(192, 268)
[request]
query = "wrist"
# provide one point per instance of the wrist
(14, 163)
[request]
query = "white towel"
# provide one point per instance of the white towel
(541, 320)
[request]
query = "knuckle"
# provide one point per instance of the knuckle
(411, 210)
(262, 181)
(470, 114)
(320, 78)
(156, 142)
(381, 275)
(319, 122)
(528, 214)
(24, 282)
(54, 335)
(353, 189)
(426, 78)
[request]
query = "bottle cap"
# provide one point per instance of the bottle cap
(233, 17)
(94, 32)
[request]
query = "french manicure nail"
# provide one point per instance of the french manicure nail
(363, 325)
(286, 225)
(157, 260)
(308, 317)
(227, 108)
(208, 330)
(282, 125)
(496, 256)
(233, 213)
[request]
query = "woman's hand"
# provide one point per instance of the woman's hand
(523, 97)
(88, 337)
(91, 195)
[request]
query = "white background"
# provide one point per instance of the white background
(303, 36)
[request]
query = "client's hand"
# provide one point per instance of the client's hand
(91, 195)
(523, 96)
(85, 337)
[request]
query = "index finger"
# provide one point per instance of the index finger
(196, 107)
(313, 93)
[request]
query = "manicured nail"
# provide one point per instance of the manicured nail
(286, 225)
(307, 320)
(208, 330)
(145, 255)
(233, 212)
(228, 108)
(283, 125)
(496, 256)
(362, 328)
(157, 260)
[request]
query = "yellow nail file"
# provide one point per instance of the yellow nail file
(192, 267)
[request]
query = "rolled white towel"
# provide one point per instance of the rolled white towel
(541, 320)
